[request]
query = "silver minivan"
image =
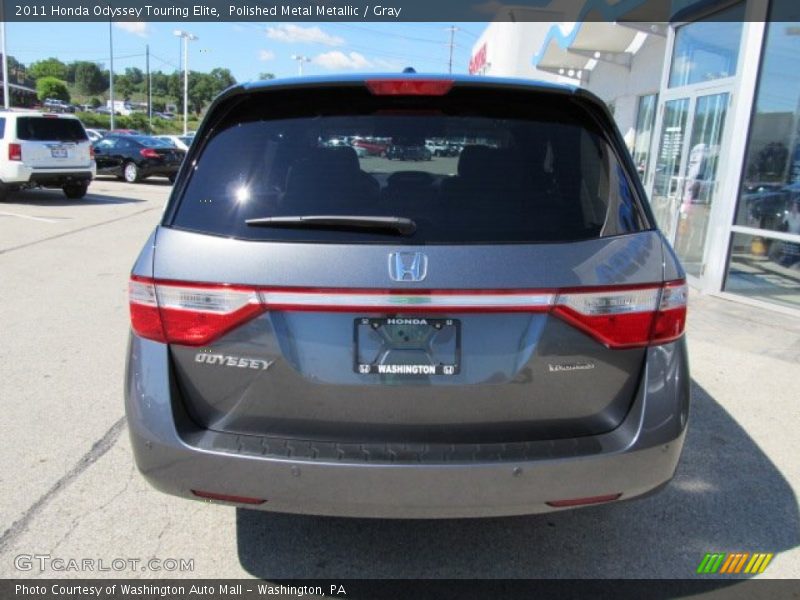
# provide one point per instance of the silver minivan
(494, 332)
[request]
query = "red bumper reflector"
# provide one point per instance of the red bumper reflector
(409, 87)
(227, 498)
(583, 501)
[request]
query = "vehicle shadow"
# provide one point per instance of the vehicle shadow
(154, 180)
(52, 198)
(727, 496)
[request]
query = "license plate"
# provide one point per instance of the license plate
(58, 152)
(407, 346)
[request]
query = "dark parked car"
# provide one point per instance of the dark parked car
(136, 157)
(314, 334)
(408, 152)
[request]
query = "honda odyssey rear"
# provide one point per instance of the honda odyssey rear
(495, 332)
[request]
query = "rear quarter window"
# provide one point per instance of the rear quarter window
(50, 129)
(478, 167)
(2, 128)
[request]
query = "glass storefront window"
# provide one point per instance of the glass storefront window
(767, 264)
(707, 49)
(771, 177)
(645, 118)
(668, 182)
(700, 182)
(765, 269)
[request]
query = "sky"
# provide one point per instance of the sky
(248, 49)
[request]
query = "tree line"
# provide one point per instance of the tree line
(56, 79)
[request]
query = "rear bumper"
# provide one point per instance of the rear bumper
(21, 175)
(176, 457)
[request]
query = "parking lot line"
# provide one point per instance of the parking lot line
(78, 230)
(32, 218)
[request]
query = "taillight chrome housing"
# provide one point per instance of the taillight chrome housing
(195, 314)
(627, 318)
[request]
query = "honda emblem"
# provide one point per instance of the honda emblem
(408, 266)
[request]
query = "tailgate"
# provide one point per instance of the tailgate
(462, 375)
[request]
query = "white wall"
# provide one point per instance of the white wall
(616, 84)
(510, 48)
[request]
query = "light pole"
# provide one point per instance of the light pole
(6, 92)
(300, 60)
(111, 73)
(187, 37)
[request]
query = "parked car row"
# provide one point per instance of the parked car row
(395, 149)
(54, 150)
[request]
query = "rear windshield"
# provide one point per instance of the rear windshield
(50, 129)
(482, 169)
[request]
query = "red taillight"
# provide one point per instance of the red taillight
(227, 498)
(194, 314)
(671, 318)
(409, 87)
(91, 152)
(186, 313)
(149, 153)
(583, 501)
(14, 152)
(627, 318)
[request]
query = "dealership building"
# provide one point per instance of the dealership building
(709, 106)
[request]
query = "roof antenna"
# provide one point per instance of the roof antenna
(409, 70)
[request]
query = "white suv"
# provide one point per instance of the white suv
(44, 150)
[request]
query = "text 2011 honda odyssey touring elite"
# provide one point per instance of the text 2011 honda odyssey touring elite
(491, 333)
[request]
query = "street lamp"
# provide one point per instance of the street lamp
(111, 73)
(187, 37)
(300, 60)
(6, 91)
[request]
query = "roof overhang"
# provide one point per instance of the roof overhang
(555, 57)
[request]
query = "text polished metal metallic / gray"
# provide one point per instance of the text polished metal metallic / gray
(330, 319)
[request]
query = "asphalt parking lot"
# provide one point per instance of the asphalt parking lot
(71, 489)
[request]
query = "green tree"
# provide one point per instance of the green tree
(175, 88)
(89, 78)
(139, 122)
(123, 87)
(203, 87)
(52, 87)
(222, 78)
(49, 67)
(160, 83)
(135, 75)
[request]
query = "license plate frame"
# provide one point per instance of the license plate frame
(59, 152)
(421, 332)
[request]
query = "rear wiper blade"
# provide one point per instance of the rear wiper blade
(397, 225)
